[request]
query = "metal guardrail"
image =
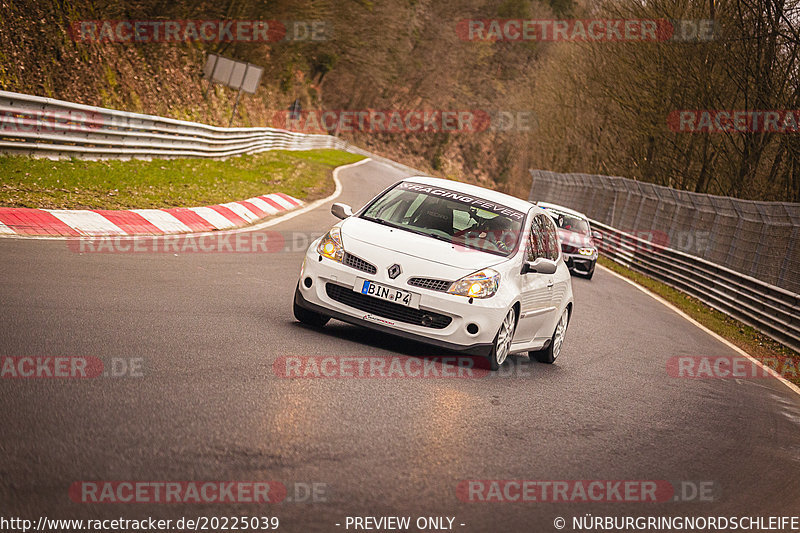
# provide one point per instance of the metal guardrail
(741, 257)
(45, 127)
(757, 239)
(769, 309)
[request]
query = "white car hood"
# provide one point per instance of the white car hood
(359, 235)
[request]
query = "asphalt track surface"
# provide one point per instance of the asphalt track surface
(208, 406)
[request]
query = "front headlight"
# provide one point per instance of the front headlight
(481, 284)
(586, 251)
(330, 245)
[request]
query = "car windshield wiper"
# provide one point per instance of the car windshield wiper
(434, 235)
(382, 222)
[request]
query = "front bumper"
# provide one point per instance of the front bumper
(473, 349)
(582, 264)
(486, 314)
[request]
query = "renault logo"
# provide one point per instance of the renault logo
(394, 271)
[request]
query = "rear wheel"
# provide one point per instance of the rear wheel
(549, 354)
(502, 341)
(309, 317)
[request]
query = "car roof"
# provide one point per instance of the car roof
(484, 193)
(565, 210)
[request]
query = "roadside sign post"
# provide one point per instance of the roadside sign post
(237, 75)
(238, 94)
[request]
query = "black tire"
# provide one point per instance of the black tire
(309, 318)
(493, 364)
(544, 356)
(590, 274)
(548, 355)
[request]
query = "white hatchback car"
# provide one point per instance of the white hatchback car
(446, 263)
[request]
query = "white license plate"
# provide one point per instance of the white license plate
(384, 292)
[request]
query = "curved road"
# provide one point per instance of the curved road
(207, 329)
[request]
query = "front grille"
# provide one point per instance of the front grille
(386, 309)
(430, 283)
(358, 263)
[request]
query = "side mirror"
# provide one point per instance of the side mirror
(540, 266)
(596, 235)
(341, 211)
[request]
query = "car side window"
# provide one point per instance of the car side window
(543, 239)
(553, 244)
(537, 239)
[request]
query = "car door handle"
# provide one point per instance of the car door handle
(550, 284)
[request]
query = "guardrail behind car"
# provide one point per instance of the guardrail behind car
(770, 309)
(767, 308)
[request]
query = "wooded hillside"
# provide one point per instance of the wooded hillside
(593, 106)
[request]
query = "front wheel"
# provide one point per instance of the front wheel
(502, 341)
(549, 354)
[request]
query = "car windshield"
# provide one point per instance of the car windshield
(570, 222)
(450, 216)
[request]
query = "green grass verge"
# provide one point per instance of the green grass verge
(78, 184)
(760, 346)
